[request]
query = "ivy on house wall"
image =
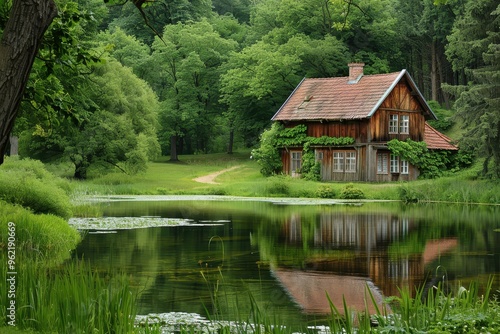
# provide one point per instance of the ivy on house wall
(280, 137)
(430, 163)
(297, 136)
(311, 169)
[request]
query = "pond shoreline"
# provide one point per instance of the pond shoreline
(276, 200)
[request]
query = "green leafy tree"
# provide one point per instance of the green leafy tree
(118, 129)
(58, 74)
(257, 81)
(324, 57)
(267, 155)
(19, 44)
(128, 50)
(188, 65)
(239, 9)
(54, 59)
(370, 30)
(146, 19)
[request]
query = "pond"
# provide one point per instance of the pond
(287, 256)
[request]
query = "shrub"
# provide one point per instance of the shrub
(350, 192)
(162, 191)
(44, 237)
(408, 194)
(277, 185)
(267, 155)
(326, 192)
(217, 192)
(27, 183)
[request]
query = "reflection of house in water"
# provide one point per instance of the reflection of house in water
(351, 255)
(309, 289)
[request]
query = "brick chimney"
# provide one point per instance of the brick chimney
(355, 72)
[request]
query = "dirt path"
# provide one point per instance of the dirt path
(210, 178)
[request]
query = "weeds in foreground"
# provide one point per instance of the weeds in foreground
(74, 299)
(77, 300)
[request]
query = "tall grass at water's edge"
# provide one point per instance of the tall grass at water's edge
(40, 237)
(74, 299)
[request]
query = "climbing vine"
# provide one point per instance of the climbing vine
(280, 137)
(311, 169)
(297, 136)
(431, 163)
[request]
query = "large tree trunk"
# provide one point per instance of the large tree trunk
(434, 72)
(28, 21)
(231, 142)
(173, 148)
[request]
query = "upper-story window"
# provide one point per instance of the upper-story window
(404, 124)
(399, 124)
(393, 124)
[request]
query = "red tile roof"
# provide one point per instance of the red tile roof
(336, 98)
(435, 140)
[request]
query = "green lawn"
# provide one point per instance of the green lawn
(164, 177)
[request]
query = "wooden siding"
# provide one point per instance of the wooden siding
(355, 129)
(327, 172)
(400, 102)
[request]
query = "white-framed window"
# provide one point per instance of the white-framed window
(338, 161)
(350, 162)
(319, 155)
(404, 124)
(405, 167)
(394, 163)
(296, 163)
(393, 123)
(344, 161)
(382, 161)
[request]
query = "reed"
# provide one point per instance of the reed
(74, 299)
(437, 311)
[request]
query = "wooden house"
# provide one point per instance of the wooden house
(371, 109)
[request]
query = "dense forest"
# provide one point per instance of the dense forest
(117, 84)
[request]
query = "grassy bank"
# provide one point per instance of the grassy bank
(177, 178)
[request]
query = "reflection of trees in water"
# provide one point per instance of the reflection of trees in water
(382, 244)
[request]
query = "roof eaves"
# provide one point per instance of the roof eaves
(284, 103)
(386, 94)
(421, 97)
(447, 140)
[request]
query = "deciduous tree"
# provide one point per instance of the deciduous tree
(20, 42)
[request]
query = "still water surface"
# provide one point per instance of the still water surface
(288, 257)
